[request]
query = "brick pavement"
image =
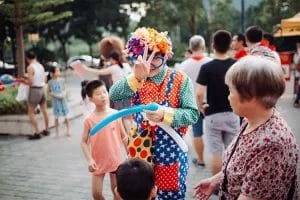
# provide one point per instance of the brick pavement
(55, 169)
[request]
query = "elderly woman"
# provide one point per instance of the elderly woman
(261, 161)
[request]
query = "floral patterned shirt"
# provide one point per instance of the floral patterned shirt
(264, 161)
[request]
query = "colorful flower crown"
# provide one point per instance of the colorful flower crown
(157, 41)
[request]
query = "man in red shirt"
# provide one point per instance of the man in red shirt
(238, 44)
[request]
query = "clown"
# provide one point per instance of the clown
(153, 82)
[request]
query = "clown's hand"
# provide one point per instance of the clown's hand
(157, 115)
(141, 67)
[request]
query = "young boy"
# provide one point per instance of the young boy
(136, 180)
(103, 151)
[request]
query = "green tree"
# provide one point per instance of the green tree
(270, 12)
(222, 15)
(92, 18)
(181, 18)
(28, 12)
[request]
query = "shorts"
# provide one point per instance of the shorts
(198, 127)
(36, 96)
(220, 128)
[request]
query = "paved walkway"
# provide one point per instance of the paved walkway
(55, 169)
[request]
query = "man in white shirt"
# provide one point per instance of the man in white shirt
(36, 81)
(191, 66)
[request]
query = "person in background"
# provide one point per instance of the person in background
(136, 180)
(57, 90)
(107, 46)
(191, 67)
(152, 81)
(105, 150)
(238, 44)
(254, 37)
(220, 123)
(268, 41)
(296, 61)
(251, 162)
(36, 81)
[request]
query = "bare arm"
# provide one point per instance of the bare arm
(200, 91)
(30, 71)
(124, 135)
(85, 144)
(104, 71)
(207, 186)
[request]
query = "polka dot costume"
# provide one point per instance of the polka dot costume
(170, 162)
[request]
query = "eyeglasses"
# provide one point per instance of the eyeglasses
(157, 61)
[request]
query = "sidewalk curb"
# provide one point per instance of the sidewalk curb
(20, 124)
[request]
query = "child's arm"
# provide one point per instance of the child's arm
(86, 150)
(124, 135)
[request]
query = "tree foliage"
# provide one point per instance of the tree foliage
(35, 11)
(30, 12)
(270, 12)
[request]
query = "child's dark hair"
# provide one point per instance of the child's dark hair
(88, 87)
(30, 55)
(222, 41)
(114, 55)
(83, 92)
(51, 72)
(135, 179)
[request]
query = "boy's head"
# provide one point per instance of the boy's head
(96, 91)
(221, 41)
(238, 41)
(254, 34)
(136, 180)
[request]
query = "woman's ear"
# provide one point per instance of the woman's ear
(153, 192)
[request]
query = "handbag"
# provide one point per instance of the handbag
(23, 92)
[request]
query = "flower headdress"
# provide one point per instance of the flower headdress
(157, 41)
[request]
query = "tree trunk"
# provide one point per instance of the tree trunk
(64, 50)
(91, 49)
(193, 24)
(19, 40)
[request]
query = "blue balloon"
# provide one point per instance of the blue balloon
(122, 113)
(6, 79)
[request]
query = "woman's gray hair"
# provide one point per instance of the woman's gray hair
(197, 43)
(257, 77)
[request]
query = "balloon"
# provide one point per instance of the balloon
(6, 79)
(122, 113)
